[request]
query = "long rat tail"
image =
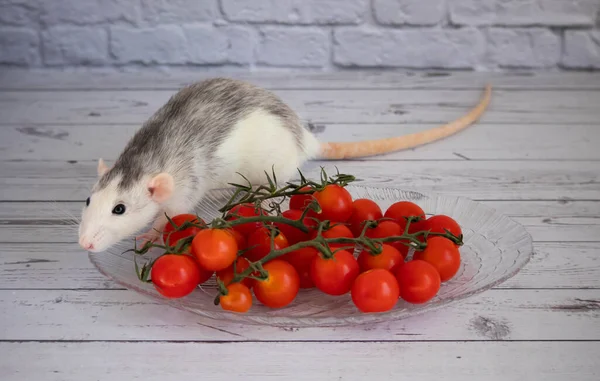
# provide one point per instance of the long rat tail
(335, 151)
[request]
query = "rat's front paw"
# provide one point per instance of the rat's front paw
(150, 236)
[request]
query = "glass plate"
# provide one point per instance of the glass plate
(495, 249)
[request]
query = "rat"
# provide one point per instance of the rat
(202, 138)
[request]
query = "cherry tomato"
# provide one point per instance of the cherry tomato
(419, 281)
(175, 275)
(293, 234)
(335, 202)
(401, 209)
(384, 229)
(389, 229)
(443, 255)
(238, 298)
(334, 276)
(389, 259)
(281, 286)
(300, 201)
(376, 290)
(363, 209)
(440, 222)
(336, 231)
(302, 260)
(214, 249)
(241, 265)
(171, 237)
(259, 243)
(245, 210)
(239, 238)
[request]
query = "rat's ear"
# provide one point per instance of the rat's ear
(161, 187)
(102, 167)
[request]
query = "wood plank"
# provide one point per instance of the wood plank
(571, 229)
(117, 315)
(506, 361)
(481, 180)
(529, 209)
(544, 220)
(486, 141)
(319, 106)
(28, 265)
(145, 79)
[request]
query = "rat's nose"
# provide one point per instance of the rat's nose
(85, 244)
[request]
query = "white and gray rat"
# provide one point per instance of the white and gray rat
(205, 135)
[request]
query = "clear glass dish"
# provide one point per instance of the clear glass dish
(495, 249)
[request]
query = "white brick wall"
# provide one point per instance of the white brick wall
(323, 34)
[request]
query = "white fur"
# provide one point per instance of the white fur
(244, 150)
(100, 228)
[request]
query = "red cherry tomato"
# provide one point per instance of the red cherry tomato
(226, 275)
(239, 238)
(214, 249)
(363, 209)
(389, 229)
(419, 281)
(176, 275)
(335, 202)
(384, 229)
(376, 290)
(335, 276)
(336, 231)
(440, 222)
(401, 209)
(259, 243)
(245, 210)
(171, 237)
(302, 260)
(300, 201)
(238, 298)
(281, 286)
(293, 234)
(443, 255)
(389, 259)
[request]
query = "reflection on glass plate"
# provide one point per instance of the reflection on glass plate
(495, 249)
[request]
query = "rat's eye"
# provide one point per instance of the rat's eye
(87, 202)
(119, 209)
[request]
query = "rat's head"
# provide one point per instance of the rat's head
(114, 212)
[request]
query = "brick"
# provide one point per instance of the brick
(410, 48)
(206, 44)
(581, 49)
(528, 48)
(18, 13)
(296, 11)
(242, 42)
(524, 12)
(71, 45)
(81, 12)
(161, 45)
(179, 11)
(411, 12)
(19, 46)
(293, 47)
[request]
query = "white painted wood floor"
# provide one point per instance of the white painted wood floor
(534, 155)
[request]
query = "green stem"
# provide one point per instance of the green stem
(323, 244)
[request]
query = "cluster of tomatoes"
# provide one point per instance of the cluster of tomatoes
(376, 279)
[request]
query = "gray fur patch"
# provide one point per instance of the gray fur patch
(192, 124)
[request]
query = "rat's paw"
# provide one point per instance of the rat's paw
(150, 236)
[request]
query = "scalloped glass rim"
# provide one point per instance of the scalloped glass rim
(496, 248)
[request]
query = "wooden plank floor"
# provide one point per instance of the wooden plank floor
(534, 156)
